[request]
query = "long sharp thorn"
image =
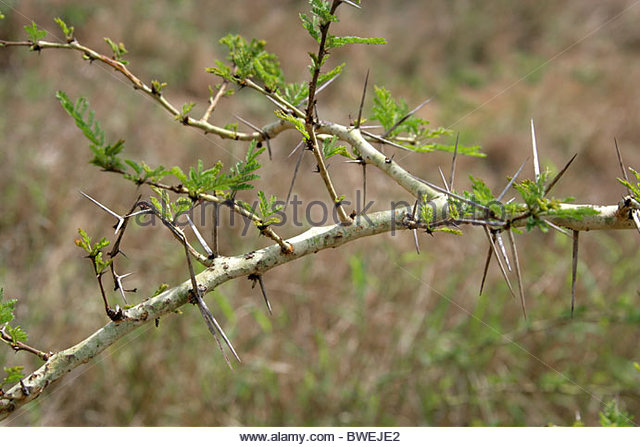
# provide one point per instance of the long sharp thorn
(404, 118)
(212, 323)
(502, 269)
(534, 144)
(558, 175)
(209, 320)
(444, 180)
(260, 131)
(636, 218)
(513, 179)
(293, 179)
(295, 149)
(364, 185)
(557, 228)
(624, 171)
(319, 89)
(199, 236)
(350, 3)
(268, 147)
(136, 213)
(453, 162)
(214, 229)
(486, 268)
(264, 294)
(114, 214)
(574, 269)
(503, 250)
(281, 106)
(514, 251)
(364, 94)
(379, 139)
(415, 240)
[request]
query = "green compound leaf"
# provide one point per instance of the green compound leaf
(67, 30)
(104, 155)
(6, 309)
(297, 123)
(35, 34)
(14, 374)
(248, 60)
(336, 42)
(331, 148)
(118, 50)
(269, 207)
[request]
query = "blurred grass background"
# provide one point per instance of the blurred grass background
(370, 334)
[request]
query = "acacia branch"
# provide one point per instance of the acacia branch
(222, 270)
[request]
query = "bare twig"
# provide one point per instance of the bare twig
(17, 345)
(213, 100)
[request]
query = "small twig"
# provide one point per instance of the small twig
(213, 101)
(20, 346)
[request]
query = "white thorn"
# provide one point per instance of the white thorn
(536, 163)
